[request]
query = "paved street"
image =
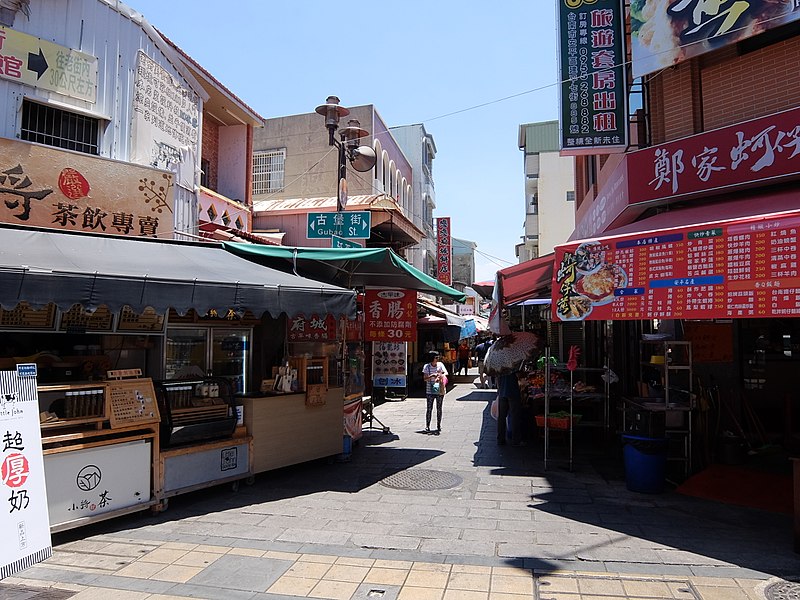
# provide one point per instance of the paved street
(502, 528)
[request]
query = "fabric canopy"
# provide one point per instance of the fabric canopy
(39, 267)
(527, 280)
(347, 267)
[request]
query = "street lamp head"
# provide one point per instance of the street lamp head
(352, 133)
(332, 112)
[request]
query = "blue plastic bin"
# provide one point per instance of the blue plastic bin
(645, 463)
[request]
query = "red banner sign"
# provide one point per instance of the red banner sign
(390, 316)
(312, 329)
(744, 268)
(444, 251)
(765, 148)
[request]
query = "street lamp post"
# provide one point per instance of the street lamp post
(362, 158)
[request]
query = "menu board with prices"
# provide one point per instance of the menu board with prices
(132, 401)
(25, 317)
(746, 268)
(389, 364)
(390, 316)
(148, 320)
(78, 319)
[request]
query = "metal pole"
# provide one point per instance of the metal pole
(341, 176)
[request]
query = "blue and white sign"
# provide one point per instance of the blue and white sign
(355, 224)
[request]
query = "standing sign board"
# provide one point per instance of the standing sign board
(24, 525)
(742, 268)
(594, 114)
(389, 364)
(390, 316)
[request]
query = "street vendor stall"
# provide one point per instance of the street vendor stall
(81, 306)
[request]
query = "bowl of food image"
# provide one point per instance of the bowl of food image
(578, 308)
(599, 286)
(589, 257)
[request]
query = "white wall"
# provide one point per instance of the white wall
(556, 214)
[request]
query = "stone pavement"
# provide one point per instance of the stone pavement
(416, 517)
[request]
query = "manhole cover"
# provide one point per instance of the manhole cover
(783, 590)
(23, 592)
(422, 479)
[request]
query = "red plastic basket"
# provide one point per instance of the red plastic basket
(557, 422)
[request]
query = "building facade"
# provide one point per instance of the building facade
(420, 149)
(463, 267)
(549, 190)
(295, 171)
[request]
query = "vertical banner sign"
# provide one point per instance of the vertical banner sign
(594, 114)
(444, 251)
(25, 523)
(390, 316)
(389, 363)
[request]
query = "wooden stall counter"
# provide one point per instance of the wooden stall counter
(287, 429)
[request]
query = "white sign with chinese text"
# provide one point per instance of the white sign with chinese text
(98, 480)
(389, 363)
(24, 526)
(166, 120)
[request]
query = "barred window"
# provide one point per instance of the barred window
(268, 171)
(59, 128)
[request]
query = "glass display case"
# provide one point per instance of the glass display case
(205, 351)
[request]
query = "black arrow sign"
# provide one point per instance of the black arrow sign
(37, 63)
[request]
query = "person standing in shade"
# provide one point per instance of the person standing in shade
(435, 375)
(509, 403)
(480, 351)
(463, 357)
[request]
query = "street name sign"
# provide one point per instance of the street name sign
(353, 224)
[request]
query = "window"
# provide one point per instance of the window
(571, 196)
(205, 172)
(268, 171)
(55, 127)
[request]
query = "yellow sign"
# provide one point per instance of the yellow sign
(48, 66)
(48, 187)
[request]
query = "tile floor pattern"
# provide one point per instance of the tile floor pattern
(176, 570)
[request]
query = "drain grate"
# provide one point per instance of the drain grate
(23, 592)
(783, 590)
(422, 479)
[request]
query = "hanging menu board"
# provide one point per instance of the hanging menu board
(146, 321)
(747, 268)
(77, 319)
(25, 317)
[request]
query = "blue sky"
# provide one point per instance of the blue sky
(417, 62)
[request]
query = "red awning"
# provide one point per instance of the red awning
(527, 280)
(484, 288)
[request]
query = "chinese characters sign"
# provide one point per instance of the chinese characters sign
(92, 195)
(47, 66)
(312, 328)
(743, 268)
(765, 148)
(444, 251)
(390, 316)
(166, 119)
(593, 91)
(666, 33)
(24, 524)
(389, 364)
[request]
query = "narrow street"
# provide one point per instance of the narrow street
(416, 517)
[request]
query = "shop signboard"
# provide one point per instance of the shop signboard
(24, 526)
(666, 33)
(444, 251)
(389, 364)
(312, 328)
(47, 66)
(71, 191)
(390, 316)
(94, 481)
(742, 268)
(593, 98)
(757, 150)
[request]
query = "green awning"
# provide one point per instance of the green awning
(346, 267)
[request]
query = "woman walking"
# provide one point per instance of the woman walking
(435, 375)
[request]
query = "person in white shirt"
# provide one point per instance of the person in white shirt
(435, 375)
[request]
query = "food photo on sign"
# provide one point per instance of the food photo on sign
(585, 280)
